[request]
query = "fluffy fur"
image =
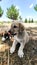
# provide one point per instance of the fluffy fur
(21, 36)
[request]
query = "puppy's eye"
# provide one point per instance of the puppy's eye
(15, 26)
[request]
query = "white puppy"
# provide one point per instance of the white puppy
(21, 36)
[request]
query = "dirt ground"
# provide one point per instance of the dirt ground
(30, 51)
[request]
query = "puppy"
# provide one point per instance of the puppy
(21, 36)
(6, 36)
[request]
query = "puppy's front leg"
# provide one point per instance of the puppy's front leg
(12, 49)
(20, 51)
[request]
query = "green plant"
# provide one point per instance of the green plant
(1, 11)
(12, 12)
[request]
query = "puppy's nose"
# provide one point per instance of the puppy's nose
(15, 26)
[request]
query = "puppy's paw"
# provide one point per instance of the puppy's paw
(3, 39)
(20, 53)
(12, 50)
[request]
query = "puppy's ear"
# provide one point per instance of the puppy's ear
(21, 27)
(11, 29)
